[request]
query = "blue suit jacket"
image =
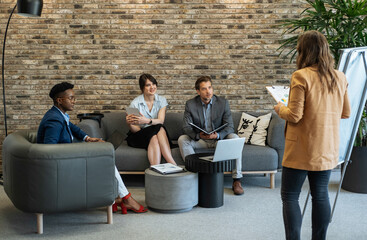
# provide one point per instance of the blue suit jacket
(221, 114)
(53, 129)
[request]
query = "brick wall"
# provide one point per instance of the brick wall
(103, 46)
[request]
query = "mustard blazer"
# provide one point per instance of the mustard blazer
(312, 121)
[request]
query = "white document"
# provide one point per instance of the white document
(279, 93)
(166, 168)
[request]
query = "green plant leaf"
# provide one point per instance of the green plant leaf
(344, 23)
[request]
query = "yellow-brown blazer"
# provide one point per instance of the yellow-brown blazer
(312, 121)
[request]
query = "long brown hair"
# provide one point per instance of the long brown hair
(313, 49)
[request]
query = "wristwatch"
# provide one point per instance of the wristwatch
(151, 121)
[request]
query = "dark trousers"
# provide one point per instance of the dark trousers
(292, 181)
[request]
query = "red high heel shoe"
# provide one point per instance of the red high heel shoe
(114, 207)
(124, 208)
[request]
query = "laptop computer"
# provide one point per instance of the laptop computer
(226, 149)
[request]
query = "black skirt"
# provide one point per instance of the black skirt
(141, 139)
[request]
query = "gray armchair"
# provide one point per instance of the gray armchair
(49, 178)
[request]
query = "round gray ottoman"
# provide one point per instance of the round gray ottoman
(177, 192)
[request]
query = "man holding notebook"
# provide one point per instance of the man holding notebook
(205, 113)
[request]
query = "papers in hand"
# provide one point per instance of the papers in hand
(215, 130)
(166, 168)
(279, 93)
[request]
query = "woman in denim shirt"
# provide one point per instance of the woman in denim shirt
(147, 130)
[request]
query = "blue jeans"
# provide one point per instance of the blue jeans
(292, 181)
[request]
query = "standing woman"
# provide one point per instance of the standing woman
(147, 130)
(318, 100)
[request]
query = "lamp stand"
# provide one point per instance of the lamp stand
(2, 71)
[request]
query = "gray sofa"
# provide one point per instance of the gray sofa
(52, 178)
(255, 159)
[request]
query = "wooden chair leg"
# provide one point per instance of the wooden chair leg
(109, 215)
(40, 219)
(272, 180)
(39, 223)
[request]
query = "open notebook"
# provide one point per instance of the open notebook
(166, 168)
(215, 130)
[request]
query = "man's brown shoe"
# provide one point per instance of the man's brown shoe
(237, 188)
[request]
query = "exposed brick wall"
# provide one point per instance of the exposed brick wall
(103, 46)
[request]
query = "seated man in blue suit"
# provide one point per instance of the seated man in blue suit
(55, 128)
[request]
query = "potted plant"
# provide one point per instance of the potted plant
(361, 137)
(343, 22)
(355, 175)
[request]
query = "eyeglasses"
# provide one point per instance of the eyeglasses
(71, 98)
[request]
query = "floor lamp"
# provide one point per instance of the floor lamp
(27, 8)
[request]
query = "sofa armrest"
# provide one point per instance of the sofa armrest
(91, 127)
(49, 178)
(276, 137)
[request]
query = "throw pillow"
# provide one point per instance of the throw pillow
(254, 128)
(116, 139)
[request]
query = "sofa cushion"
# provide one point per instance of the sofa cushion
(259, 158)
(131, 159)
(173, 124)
(115, 121)
(254, 128)
(116, 139)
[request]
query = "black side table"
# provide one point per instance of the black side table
(211, 177)
(93, 116)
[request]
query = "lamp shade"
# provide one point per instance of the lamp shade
(30, 8)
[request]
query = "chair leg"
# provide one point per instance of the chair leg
(39, 223)
(272, 180)
(109, 215)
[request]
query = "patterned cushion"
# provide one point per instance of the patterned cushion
(254, 128)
